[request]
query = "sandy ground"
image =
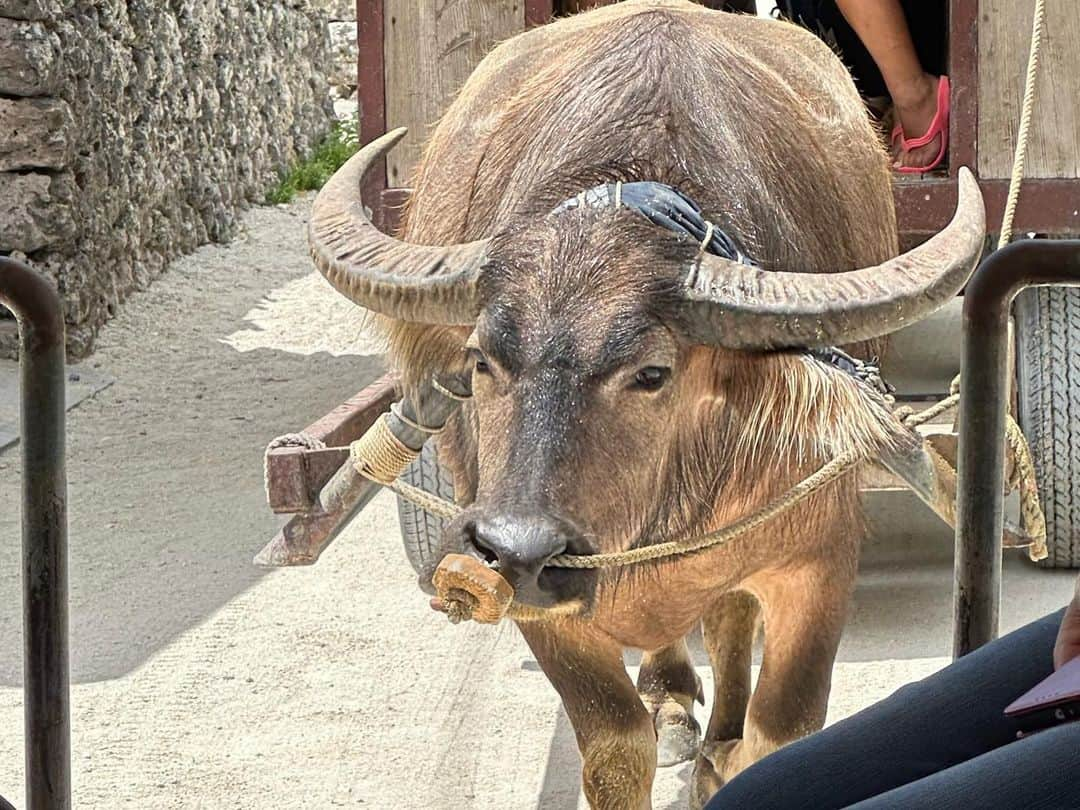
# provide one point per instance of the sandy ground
(200, 681)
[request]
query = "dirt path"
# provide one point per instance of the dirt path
(202, 682)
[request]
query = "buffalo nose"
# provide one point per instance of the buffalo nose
(521, 545)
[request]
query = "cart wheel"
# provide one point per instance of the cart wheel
(1048, 394)
(420, 530)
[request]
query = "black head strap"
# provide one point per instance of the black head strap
(669, 208)
(665, 206)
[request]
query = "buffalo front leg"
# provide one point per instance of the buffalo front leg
(668, 687)
(728, 628)
(614, 731)
(804, 611)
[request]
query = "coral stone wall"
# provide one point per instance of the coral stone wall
(341, 15)
(134, 130)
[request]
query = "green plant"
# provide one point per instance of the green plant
(310, 174)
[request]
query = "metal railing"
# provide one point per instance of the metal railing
(984, 401)
(44, 535)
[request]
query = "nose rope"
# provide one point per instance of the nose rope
(831, 471)
(381, 457)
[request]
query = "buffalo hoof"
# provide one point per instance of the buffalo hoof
(678, 735)
(705, 781)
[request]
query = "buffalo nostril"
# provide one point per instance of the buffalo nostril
(520, 545)
(489, 557)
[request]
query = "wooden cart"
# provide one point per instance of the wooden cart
(410, 67)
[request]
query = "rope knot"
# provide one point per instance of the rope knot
(459, 605)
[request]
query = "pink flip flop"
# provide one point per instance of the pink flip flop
(939, 126)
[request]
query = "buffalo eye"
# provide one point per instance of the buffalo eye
(480, 362)
(651, 378)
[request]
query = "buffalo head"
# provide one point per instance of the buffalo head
(620, 376)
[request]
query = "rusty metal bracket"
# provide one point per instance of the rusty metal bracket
(984, 401)
(44, 535)
(296, 475)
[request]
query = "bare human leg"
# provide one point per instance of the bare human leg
(883, 29)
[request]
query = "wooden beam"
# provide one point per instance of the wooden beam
(1045, 206)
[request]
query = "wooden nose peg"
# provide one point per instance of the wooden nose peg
(468, 589)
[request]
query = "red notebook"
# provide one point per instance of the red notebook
(1051, 702)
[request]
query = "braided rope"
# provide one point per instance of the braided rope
(1023, 478)
(425, 500)
(835, 469)
(379, 454)
(912, 418)
(1023, 472)
(830, 472)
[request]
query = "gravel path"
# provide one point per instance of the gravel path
(202, 682)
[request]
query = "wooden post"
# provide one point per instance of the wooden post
(371, 89)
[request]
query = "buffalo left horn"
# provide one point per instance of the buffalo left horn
(741, 307)
(410, 282)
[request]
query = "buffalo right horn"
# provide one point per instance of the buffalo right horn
(403, 280)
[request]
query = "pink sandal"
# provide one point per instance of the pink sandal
(939, 126)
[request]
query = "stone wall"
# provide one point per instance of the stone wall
(341, 16)
(134, 130)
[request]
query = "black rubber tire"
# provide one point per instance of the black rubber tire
(421, 531)
(1048, 399)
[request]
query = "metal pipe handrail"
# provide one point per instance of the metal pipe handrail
(44, 535)
(984, 401)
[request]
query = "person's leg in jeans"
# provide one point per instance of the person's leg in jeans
(934, 724)
(1035, 773)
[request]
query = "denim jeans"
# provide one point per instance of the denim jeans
(941, 743)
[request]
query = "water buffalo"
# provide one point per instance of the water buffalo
(630, 387)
